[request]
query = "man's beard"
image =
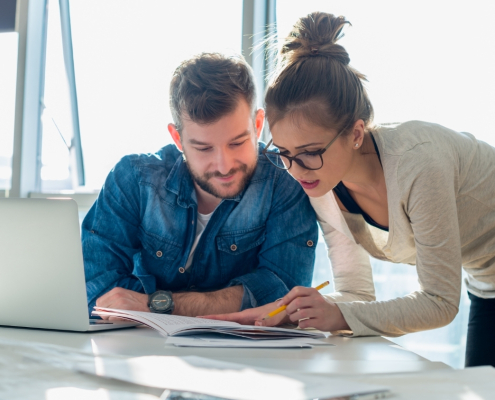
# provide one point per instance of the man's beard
(204, 181)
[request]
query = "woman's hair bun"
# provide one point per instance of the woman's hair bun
(315, 35)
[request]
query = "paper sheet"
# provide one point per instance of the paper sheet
(223, 342)
(190, 374)
(35, 371)
(225, 380)
(196, 341)
(171, 325)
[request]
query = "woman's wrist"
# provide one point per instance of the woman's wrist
(340, 322)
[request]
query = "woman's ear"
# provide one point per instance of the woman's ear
(357, 134)
(175, 136)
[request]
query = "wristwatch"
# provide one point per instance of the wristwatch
(161, 302)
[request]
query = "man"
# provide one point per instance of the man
(202, 226)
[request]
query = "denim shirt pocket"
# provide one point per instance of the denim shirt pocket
(238, 251)
(158, 254)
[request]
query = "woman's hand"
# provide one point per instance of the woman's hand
(308, 307)
(253, 316)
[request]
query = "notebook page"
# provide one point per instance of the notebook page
(167, 324)
(170, 325)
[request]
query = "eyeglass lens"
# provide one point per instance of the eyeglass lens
(305, 160)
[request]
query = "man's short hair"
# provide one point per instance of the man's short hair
(208, 87)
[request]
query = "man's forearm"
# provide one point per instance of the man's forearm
(221, 301)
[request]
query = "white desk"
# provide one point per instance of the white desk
(350, 356)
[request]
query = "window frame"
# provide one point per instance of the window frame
(258, 21)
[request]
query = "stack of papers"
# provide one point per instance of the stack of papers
(174, 325)
(232, 342)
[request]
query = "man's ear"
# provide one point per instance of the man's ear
(259, 122)
(175, 136)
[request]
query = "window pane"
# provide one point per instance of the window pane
(8, 74)
(426, 61)
(56, 116)
(125, 53)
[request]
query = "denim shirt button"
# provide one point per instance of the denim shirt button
(159, 253)
(310, 243)
(233, 247)
(182, 270)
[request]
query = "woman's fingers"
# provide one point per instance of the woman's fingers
(304, 313)
(315, 323)
(302, 302)
(298, 291)
(316, 312)
(309, 309)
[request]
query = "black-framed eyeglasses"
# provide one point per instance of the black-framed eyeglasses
(311, 160)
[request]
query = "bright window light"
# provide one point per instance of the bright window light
(425, 60)
(8, 73)
(124, 54)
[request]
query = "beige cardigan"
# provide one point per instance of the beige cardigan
(441, 199)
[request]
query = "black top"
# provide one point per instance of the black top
(351, 205)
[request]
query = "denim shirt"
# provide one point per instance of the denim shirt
(139, 233)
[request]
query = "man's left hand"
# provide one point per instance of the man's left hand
(123, 299)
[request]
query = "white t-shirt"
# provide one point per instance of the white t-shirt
(201, 223)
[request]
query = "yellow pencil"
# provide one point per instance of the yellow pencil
(282, 308)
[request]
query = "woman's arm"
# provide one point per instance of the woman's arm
(351, 268)
(350, 263)
(428, 184)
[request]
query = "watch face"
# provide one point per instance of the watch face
(161, 301)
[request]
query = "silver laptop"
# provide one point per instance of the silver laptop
(42, 281)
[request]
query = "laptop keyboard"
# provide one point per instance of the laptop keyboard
(99, 322)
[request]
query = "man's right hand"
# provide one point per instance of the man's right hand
(123, 299)
(253, 316)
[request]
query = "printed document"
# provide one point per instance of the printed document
(175, 325)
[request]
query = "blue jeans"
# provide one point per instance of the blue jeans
(480, 346)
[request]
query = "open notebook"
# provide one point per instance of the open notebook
(175, 325)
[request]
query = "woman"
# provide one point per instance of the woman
(415, 193)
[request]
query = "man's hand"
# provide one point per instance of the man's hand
(308, 307)
(253, 316)
(123, 299)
